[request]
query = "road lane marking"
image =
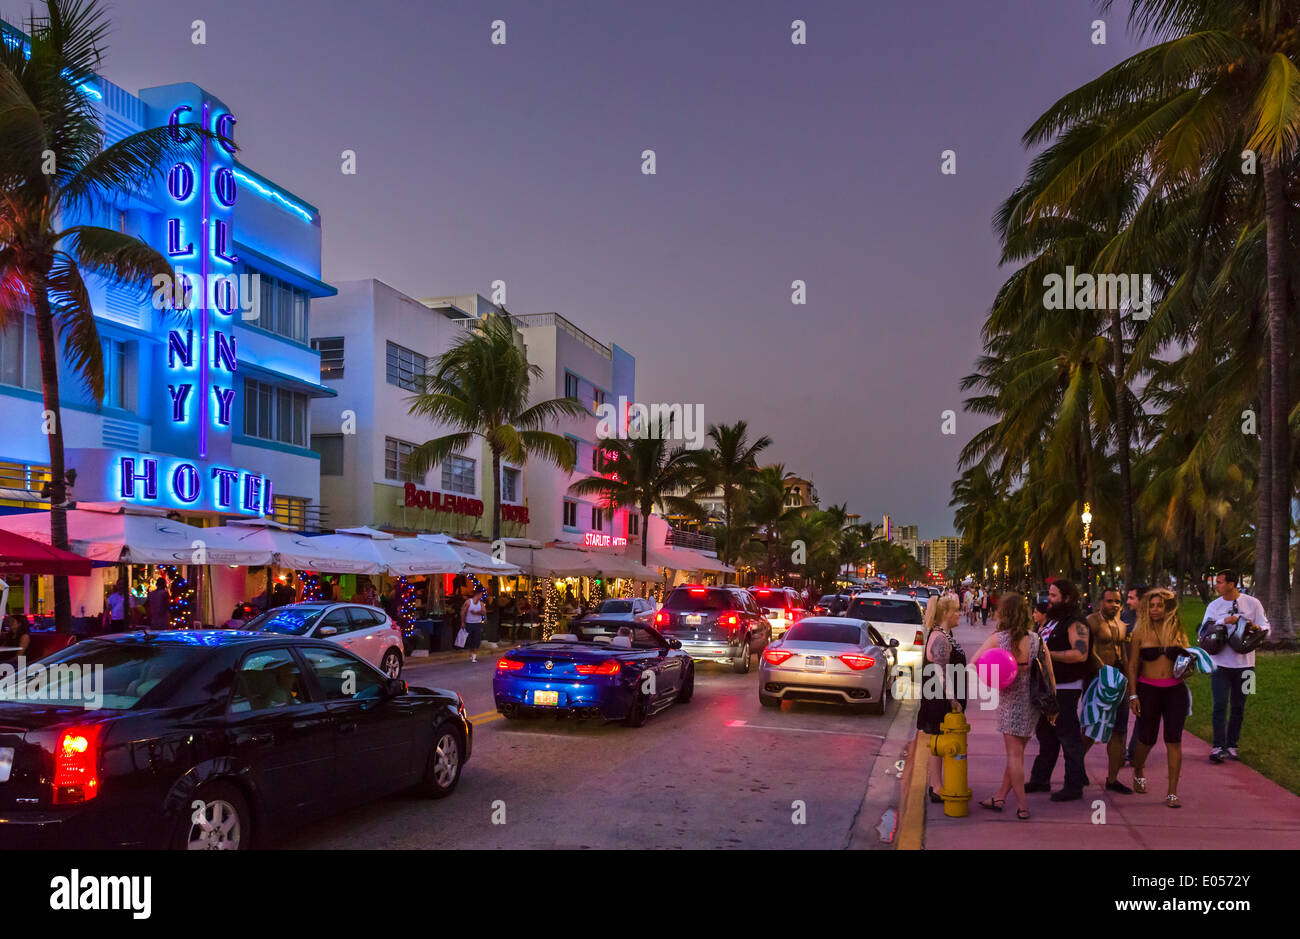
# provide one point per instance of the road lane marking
(802, 730)
(486, 715)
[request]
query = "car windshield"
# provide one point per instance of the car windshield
(772, 599)
(287, 620)
(833, 601)
(907, 612)
(824, 632)
(699, 598)
(616, 606)
(93, 675)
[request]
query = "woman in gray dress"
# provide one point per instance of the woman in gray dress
(1017, 717)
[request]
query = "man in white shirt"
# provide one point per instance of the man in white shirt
(1233, 669)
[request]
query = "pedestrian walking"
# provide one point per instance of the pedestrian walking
(160, 603)
(1110, 643)
(471, 620)
(985, 602)
(116, 612)
(1017, 716)
(1233, 670)
(1129, 616)
(1069, 643)
(1156, 696)
(941, 657)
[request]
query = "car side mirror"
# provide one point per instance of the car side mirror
(674, 643)
(893, 643)
(327, 631)
(394, 687)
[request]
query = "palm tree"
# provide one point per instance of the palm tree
(54, 166)
(729, 465)
(480, 387)
(642, 473)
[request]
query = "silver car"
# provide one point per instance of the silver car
(828, 658)
(365, 631)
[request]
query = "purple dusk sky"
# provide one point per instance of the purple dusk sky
(776, 162)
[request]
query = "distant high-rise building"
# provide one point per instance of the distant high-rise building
(943, 555)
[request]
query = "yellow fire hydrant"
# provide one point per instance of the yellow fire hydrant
(951, 745)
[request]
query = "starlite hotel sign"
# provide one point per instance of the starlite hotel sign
(193, 400)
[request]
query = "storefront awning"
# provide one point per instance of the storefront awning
(684, 559)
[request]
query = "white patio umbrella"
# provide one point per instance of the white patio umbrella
(472, 560)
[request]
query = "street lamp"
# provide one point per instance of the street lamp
(1086, 518)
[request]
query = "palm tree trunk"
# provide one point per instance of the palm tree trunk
(1128, 522)
(1276, 204)
(58, 472)
(646, 509)
(496, 495)
(1264, 494)
(726, 511)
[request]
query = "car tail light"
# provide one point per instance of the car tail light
(918, 639)
(698, 591)
(661, 618)
(776, 656)
(819, 609)
(76, 765)
(607, 667)
(731, 619)
(509, 665)
(857, 662)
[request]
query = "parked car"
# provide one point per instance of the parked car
(832, 604)
(715, 624)
(828, 658)
(605, 677)
(216, 739)
(896, 617)
(366, 631)
(613, 613)
(782, 606)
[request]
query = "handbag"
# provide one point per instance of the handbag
(1042, 692)
(462, 637)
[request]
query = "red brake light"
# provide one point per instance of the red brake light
(764, 592)
(661, 618)
(918, 639)
(857, 662)
(776, 656)
(731, 619)
(607, 667)
(509, 665)
(698, 591)
(76, 765)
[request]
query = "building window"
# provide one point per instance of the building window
(282, 308)
(570, 514)
(597, 518)
(20, 355)
(633, 523)
(331, 357)
(458, 475)
(272, 413)
(289, 510)
(397, 457)
(597, 399)
(509, 484)
(115, 380)
(405, 368)
(330, 448)
(570, 385)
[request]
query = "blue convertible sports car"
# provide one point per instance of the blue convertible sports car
(628, 677)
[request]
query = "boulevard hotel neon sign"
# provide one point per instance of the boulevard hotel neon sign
(414, 497)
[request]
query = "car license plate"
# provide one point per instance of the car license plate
(814, 661)
(551, 698)
(694, 619)
(6, 763)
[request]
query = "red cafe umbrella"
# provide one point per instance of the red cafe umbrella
(19, 555)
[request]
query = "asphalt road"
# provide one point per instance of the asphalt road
(719, 772)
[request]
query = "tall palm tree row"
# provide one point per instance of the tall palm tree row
(1168, 412)
(55, 169)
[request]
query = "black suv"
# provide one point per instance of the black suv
(715, 624)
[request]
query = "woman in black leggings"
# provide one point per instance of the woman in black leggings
(1155, 695)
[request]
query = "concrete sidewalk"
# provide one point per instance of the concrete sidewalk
(1224, 806)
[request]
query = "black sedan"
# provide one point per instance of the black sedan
(211, 740)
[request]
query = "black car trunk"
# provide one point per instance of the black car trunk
(28, 736)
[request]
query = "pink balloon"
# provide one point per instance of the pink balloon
(996, 667)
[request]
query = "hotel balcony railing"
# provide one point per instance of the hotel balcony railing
(693, 540)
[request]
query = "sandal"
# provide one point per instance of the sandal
(1022, 814)
(1171, 800)
(1139, 784)
(993, 805)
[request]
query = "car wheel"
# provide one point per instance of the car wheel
(688, 687)
(769, 700)
(391, 665)
(225, 822)
(636, 715)
(741, 667)
(442, 771)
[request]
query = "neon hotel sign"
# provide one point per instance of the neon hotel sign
(414, 497)
(200, 369)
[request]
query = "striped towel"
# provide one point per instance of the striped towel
(1100, 703)
(1204, 664)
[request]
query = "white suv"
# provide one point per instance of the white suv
(365, 631)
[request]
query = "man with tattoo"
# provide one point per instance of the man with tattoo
(1069, 641)
(1110, 643)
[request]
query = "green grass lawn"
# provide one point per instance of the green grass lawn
(1270, 737)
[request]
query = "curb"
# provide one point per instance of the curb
(876, 824)
(911, 823)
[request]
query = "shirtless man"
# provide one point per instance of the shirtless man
(1110, 642)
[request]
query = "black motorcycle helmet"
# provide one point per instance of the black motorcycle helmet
(1246, 636)
(1212, 637)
